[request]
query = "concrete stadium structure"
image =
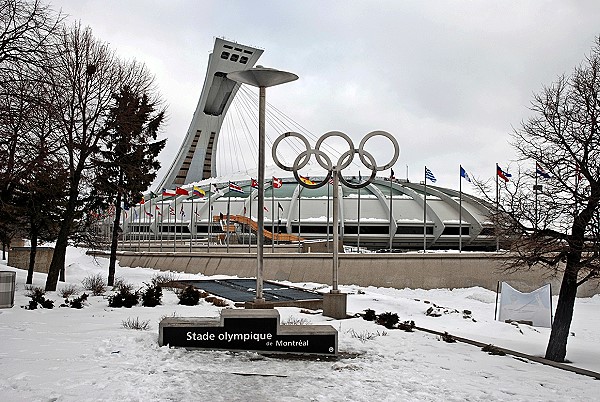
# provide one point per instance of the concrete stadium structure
(391, 211)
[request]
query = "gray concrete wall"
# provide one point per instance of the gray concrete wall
(18, 257)
(428, 271)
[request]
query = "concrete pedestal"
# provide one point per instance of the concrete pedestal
(334, 305)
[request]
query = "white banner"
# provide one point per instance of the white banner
(534, 306)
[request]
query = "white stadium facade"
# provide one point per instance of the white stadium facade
(392, 212)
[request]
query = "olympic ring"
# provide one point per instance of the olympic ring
(343, 162)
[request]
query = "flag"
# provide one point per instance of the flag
(429, 176)
(306, 180)
(244, 210)
(221, 216)
(392, 174)
(197, 191)
(253, 183)
(464, 174)
(196, 213)
(540, 170)
(215, 186)
(503, 175)
(159, 211)
(265, 208)
(153, 195)
(331, 181)
(279, 206)
(235, 188)
(182, 212)
(142, 201)
(148, 213)
(181, 191)
(168, 193)
(135, 214)
(277, 183)
(171, 211)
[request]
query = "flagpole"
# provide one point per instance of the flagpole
(460, 211)
(497, 203)
(425, 210)
(299, 216)
(192, 220)
(174, 225)
(149, 222)
(162, 199)
(250, 226)
(391, 214)
(228, 210)
(358, 207)
(139, 228)
(535, 209)
(272, 217)
(328, 184)
(209, 218)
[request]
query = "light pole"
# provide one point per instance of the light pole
(262, 78)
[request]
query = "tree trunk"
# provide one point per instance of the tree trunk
(114, 242)
(557, 344)
(60, 249)
(32, 254)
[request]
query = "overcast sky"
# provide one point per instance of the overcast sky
(449, 79)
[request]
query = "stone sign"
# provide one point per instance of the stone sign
(256, 330)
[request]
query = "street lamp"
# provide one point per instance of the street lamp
(262, 78)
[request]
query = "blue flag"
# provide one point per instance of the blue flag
(464, 174)
(429, 176)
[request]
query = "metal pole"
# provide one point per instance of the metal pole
(261, 195)
(227, 219)
(250, 226)
(391, 215)
(209, 220)
(460, 212)
(335, 231)
(328, 216)
(272, 218)
(497, 203)
(192, 225)
(174, 225)
(425, 210)
(358, 208)
(299, 216)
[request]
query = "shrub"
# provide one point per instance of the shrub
(291, 320)
(37, 295)
(151, 295)
(125, 297)
(68, 291)
(76, 302)
(189, 296)
(407, 326)
(388, 320)
(95, 284)
(365, 335)
(136, 323)
(370, 315)
(164, 279)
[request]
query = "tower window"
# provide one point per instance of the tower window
(243, 60)
(234, 57)
(225, 55)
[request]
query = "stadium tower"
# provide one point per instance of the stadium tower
(197, 156)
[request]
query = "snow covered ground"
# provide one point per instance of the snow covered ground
(66, 354)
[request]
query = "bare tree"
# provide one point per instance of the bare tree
(549, 214)
(86, 74)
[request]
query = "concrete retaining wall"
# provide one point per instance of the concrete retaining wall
(18, 257)
(428, 271)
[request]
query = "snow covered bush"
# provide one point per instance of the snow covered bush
(369, 315)
(151, 295)
(136, 323)
(76, 302)
(189, 296)
(95, 284)
(37, 295)
(388, 320)
(68, 291)
(124, 297)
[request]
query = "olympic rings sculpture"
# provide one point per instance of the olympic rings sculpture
(344, 160)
